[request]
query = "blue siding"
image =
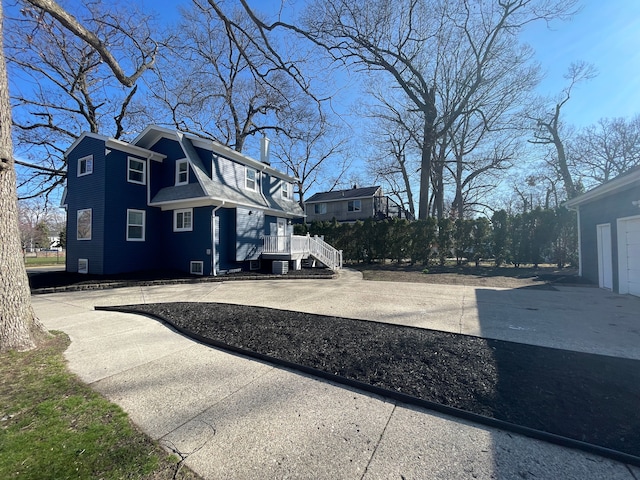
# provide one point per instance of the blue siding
(86, 192)
(164, 175)
(250, 228)
(605, 210)
(181, 248)
(226, 239)
(122, 255)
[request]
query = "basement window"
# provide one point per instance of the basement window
(196, 268)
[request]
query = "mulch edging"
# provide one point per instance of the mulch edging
(574, 399)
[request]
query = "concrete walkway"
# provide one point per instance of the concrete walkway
(237, 418)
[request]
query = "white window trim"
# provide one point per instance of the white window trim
(83, 265)
(79, 214)
(175, 220)
(144, 223)
(88, 162)
(247, 179)
(355, 208)
(199, 271)
(285, 190)
(143, 172)
(178, 164)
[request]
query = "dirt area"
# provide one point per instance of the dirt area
(586, 397)
(482, 276)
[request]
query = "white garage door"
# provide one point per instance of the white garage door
(632, 254)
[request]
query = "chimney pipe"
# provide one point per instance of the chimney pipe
(264, 150)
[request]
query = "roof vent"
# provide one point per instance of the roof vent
(264, 150)
(355, 185)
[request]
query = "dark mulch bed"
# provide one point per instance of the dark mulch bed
(39, 281)
(586, 397)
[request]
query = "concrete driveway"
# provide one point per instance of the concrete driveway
(238, 418)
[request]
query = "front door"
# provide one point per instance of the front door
(605, 262)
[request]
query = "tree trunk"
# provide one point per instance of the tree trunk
(19, 328)
(428, 143)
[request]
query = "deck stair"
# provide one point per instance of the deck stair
(299, 247)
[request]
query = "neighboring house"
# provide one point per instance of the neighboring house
(351, 205)
(169, 200)
(609, 233)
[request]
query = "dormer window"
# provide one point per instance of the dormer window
(85, 166)
(286, 193)
(182, 172)
(250, 178)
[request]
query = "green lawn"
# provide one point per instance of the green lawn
(41, 261)
(53, 426)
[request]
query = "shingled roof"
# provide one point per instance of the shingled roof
(336, 195)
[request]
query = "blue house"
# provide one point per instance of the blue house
(169, 200)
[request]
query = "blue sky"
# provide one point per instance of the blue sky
(605, 34)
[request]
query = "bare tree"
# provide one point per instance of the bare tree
(606, 149)
(316, 154)
(549, 126)
(393, 164)
(61, 85)
(19, 327)
(214, 91)
(420, 43)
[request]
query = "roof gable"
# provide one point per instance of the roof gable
(117, 145)
(153, 133)
(621, 182)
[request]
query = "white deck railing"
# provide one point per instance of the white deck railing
(305, 246)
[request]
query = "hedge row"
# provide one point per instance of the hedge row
(534, 237)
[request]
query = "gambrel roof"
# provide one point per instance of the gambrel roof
(214, 189)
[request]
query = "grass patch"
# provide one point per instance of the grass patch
(43, 261)
(53, 426)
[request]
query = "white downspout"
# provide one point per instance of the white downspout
(213, 239)
(579, 243)
(148, 166)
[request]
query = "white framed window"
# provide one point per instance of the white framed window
(182, 172)
(85, 165)
(196, 267)
(320, 208)
(250, 175)
(83, 265)
(183, 220)
(354, 206)
(83, 230)
(136, 170)
(135, 225)
(285, 190)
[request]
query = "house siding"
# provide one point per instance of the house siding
(604, 210)
(250, 229)
(123, 255)
(165, 175)
(88, 191)
(340, 211)
(226, 239)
